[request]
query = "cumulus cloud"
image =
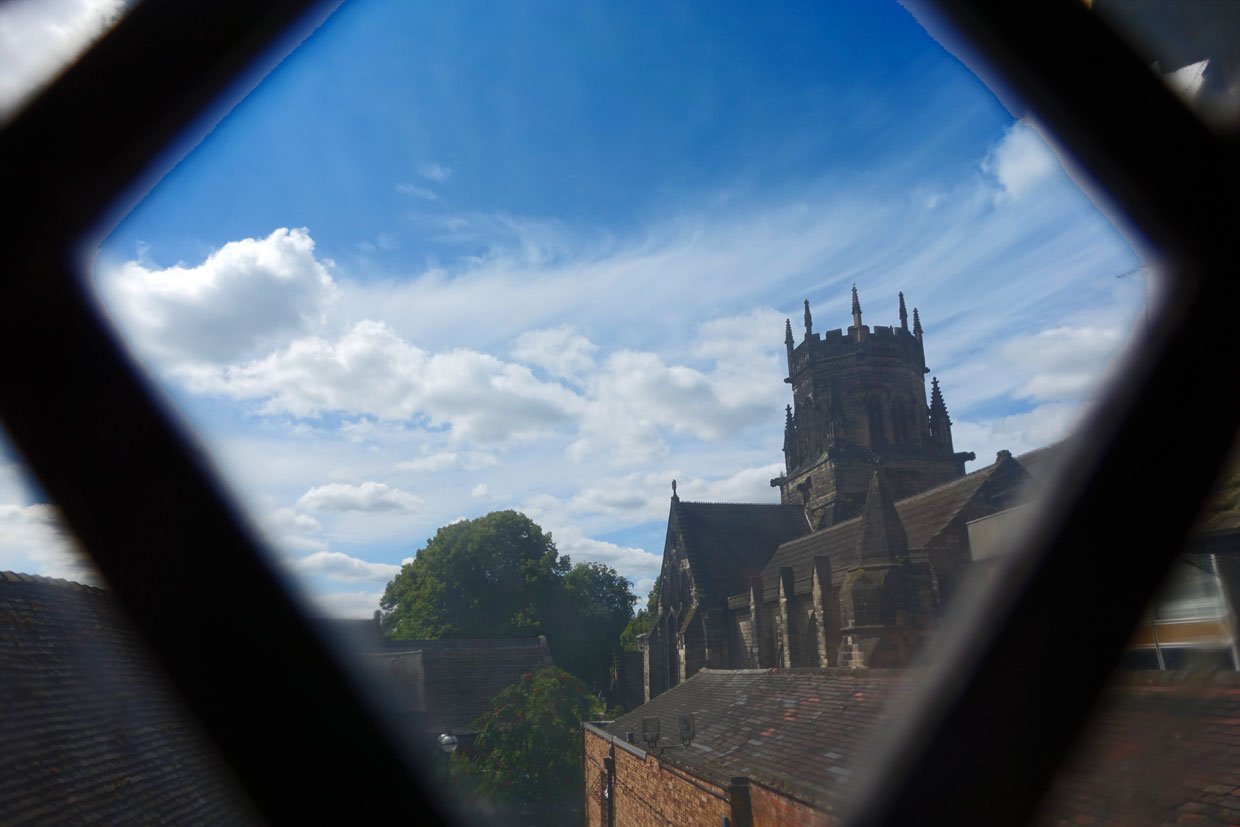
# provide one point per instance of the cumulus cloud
(1020, 161)
(289, 529)
(246, 296)
(40, 37)
(372, 371)
(560, 351)
(480, 491)
(339, 566)
(637, 394)
(369, 497)
(633, 562)
(434, 172)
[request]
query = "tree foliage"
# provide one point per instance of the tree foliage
(528, 746)
(501, 576)
(642, 621)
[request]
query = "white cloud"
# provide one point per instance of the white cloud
(357, 604)
(368, 497)
(480, 491)
(1021, 161)
(450, 461)
(637, 394)
(40, 37)
(1062, 362)
(414, 191)
(434, 172)
(1017, 433)
(372, 371)
(33, 541)
(247, 296)
(630, 561)
(338, 566)
(560, 351)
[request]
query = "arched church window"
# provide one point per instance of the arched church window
(810, 642)
(901, 422)
(874, 415)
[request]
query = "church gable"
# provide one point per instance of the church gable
(729, 543)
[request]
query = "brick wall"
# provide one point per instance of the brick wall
(771, 808)
(648, 792)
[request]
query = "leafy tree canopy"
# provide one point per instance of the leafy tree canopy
(528, 747)
(501, 576)
(642, 621)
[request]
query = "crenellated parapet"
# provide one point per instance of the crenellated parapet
(877, 342)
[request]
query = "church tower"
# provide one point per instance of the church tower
(859, 397)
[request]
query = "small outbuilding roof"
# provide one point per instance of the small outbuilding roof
(452, 682)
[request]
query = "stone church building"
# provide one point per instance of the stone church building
(869, 539)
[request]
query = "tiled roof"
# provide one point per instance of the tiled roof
(924, 516)
(89, 731)
(727, 543)
(800, 731)
(1162, 748)
(453, 681)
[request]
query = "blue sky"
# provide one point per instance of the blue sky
(461, 257)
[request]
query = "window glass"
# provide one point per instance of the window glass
(784, 292)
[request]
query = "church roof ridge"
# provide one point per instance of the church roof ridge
(39, 579)
(737, 505)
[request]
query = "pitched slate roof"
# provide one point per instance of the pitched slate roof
(89, 730)
(800, 731)
(452, 682)
(727, 543)
(1162, 748)
(924, 517)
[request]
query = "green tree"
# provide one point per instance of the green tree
(528, 746)
(501, 576)
(642, 621)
